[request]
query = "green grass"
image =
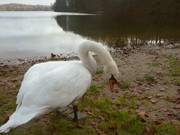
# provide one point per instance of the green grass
(166, 128)
(93, 88)
(125, 84)
(154, 64)
(96, 88)
(87, 102)
(149, 78)
(127, 122)
(103, 104)
(174, 64)
(99, 71)
(123, 102)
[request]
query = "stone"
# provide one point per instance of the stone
(80, 115)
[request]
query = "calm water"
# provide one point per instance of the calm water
(33, 34)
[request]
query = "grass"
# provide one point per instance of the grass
(122, 122)
(103, 104)
(131, 103)
(127, 122)
(154, 64)
(149, 78)
(99, 71)
(96, 88)
(93, 88)
(166, 128)
(112, 116)
(125, 84)
(174, 64)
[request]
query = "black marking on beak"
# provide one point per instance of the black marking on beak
(112, 82)
(112, 78)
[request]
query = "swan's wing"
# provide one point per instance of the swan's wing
(38, 69)
(35, 72)
(58, 87)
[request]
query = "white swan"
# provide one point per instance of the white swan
(51, 85)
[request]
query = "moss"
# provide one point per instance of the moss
(166, 128)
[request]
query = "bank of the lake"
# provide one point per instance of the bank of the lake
(146, 103)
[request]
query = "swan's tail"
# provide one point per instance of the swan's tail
(16, 119)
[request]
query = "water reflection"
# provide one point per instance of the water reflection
(125, 30)
(29, 34)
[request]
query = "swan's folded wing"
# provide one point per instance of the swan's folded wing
(57, 87)
(32, 74)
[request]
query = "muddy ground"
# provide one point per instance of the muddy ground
(146, 103)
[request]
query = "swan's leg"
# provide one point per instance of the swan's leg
(77, 115)
(75, 110)
(76, 118)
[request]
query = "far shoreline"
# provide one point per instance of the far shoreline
(24, 7)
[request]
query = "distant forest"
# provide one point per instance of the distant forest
(121, 7)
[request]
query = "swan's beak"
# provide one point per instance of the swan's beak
(112, 82)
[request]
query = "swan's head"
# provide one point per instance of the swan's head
(112, 73)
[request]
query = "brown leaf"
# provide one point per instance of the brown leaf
(143, 114)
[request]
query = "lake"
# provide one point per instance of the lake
(39, 33)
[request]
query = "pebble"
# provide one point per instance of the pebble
(162, 89)
(153, 101)
(177, 106)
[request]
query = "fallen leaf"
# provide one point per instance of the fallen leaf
(143, 114)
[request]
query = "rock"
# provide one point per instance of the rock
(153, 100)
(162, 89)
(177, 106)
(164, 110)
(159, 95)
(177, 116)
(80, 115)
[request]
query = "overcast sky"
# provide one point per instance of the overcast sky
(40, 2)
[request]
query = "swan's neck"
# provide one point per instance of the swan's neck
(87, 59)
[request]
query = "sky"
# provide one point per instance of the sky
(33, 2)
